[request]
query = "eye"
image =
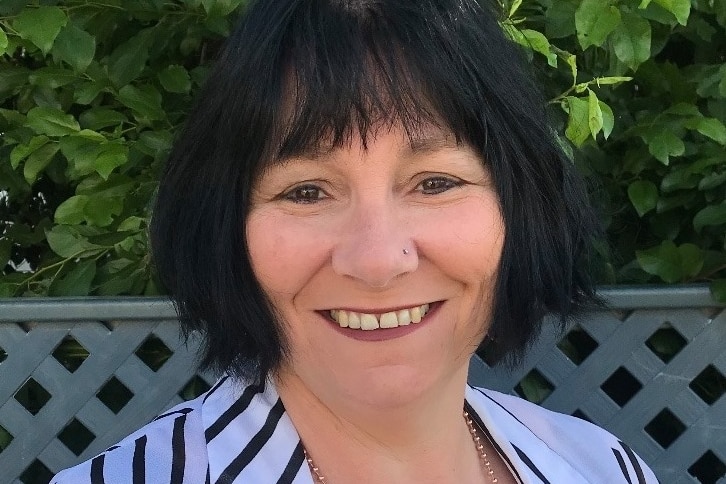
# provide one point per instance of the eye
(438, 184)
(307, 193)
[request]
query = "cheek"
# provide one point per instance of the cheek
(283, 254)
(469, 241)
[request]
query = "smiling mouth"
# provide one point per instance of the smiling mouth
(368, 322)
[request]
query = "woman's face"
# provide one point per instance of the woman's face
(400, 242)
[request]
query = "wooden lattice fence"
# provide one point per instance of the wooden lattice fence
(76, 375)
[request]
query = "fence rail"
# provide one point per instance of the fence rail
(77, 375)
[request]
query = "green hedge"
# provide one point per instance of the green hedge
(92, 93)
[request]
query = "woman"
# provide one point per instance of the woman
(364, 193)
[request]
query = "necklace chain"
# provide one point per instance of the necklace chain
(474, 435)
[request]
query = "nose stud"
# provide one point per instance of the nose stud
(405, 251)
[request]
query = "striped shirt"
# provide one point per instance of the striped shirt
(238, 433)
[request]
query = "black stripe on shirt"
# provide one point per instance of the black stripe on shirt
(525, 458)
(214, 388)
(239, 406)
(621, 463)
(178, 451)
(254, 446)
(97, 469)
(293, 465)
(634, 462)
(475, 417)
(181, 411)
(138, 466)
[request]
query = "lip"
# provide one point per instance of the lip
(383, 334)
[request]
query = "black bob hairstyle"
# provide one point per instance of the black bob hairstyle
(295, 72)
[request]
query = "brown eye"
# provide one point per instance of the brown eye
(304, 194)
(438, 184)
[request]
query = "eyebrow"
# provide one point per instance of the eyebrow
(433, 143)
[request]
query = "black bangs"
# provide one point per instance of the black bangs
(355, 67)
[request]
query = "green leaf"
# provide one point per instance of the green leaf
(98, 118)
(691, 259)
(38, 160)
(712, 128)
(74, 46)
(70, 212)
(3, 41)
(176, 79)
(67, 241)
(710, 215)
(539, 43)
(608, 119)
(87, 92)
(81, 151)
(712, 181)
(6, 248)
(664, 145)
(718, 290)
(110, 157)
(52, 77)
(40, 25)
(102, 210)
(20, 152)
(52, 122)
(679, 179)
(610, 80)
(578, 121)
(144, 100)
(220, 8)
(594, 116)
(128, 60)
(8, 289)
(154, 142)
(663, 261)
(560, 18)
(594, 20)
(77, 282)
(681, 9)
(631, 40)
(643, 195)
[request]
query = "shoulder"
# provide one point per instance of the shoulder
(591, 450)
(171, 448)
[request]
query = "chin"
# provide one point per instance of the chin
(394, 386)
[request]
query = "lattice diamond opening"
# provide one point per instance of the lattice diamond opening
(153, 352)
(581, 415)
(32, 396)
(76, 437)
(70, 353)
(621, 386)
(3, 355)
(577, 345)
(36, 473)
(534, 387)
(5, 438)
(114, 394)
(709, 385)
(194, 387)
(666, 343)
(708, 469)
(665, 428)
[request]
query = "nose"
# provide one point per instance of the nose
(375, 246)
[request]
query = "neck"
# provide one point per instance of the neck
(423, 440)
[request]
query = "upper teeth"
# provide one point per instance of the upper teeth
(365, 321)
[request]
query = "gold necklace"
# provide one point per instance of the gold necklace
(474, 435)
